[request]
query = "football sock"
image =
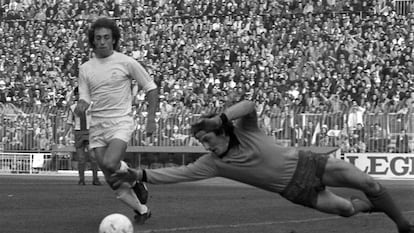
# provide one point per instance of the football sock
(81, 171)
(383, 202)
(127, 195)
(94, 167)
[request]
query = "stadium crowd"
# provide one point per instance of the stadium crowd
(322, 72)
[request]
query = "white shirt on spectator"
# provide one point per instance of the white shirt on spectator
(216, 26)
(355, 116)
(294, 93)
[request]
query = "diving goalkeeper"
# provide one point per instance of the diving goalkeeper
(242, 152)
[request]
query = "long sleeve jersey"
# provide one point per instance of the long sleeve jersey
(257, 160)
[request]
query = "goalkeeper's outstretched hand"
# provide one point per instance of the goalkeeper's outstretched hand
(131, 175)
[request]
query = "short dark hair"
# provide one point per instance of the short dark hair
(108, 23)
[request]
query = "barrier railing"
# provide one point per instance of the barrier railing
(61, 159)
(32, 163)
(376, 132)
(404, 7)
(173, 145)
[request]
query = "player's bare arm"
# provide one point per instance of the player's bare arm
(152, 97)
(81, 107)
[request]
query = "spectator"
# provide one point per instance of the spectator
(297, 136)
(358, 135)
(344, 139)
(402, 141)
(334, 135)
(317, 53)
(322, 137)
(355, 115)
(378, 139)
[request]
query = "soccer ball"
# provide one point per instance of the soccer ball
(116, 223)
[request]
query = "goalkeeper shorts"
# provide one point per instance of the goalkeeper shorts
(306, 182)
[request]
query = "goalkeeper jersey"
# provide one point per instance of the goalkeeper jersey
(256, 160)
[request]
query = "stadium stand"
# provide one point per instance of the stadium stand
(323, 73)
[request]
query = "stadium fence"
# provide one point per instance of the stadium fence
(35, 144)
(40, 133)
(404, 7)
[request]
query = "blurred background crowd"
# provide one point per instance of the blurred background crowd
(322, 72)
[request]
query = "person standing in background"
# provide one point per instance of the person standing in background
(80, 126)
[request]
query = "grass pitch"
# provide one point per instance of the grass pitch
(56, 204)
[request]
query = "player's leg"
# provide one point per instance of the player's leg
(124, 131)
(80, 152)
(80, 155)
(109, 160)
(331, 203)
(94, 167)
(339, 173)
(306, 188)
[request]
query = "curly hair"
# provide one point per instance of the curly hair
(108, 23)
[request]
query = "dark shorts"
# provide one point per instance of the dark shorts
(81, 138)
(306, 182)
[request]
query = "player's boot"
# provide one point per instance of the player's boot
(141, 191)
(141, 218)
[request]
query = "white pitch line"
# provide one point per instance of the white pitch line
(207, 227)
(235, 225)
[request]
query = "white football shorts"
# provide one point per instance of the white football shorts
(103, 130)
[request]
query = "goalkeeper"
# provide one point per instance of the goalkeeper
(242, 152)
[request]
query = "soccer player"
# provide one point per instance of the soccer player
(240, 151)
(80, 125)
(105, 85)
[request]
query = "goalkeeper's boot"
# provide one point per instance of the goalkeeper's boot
(361, 205)
(141, 191)
(141, 218)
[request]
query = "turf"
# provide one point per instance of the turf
(56, 204)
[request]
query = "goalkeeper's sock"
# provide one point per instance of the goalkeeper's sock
(383, 202)
(360, 205)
